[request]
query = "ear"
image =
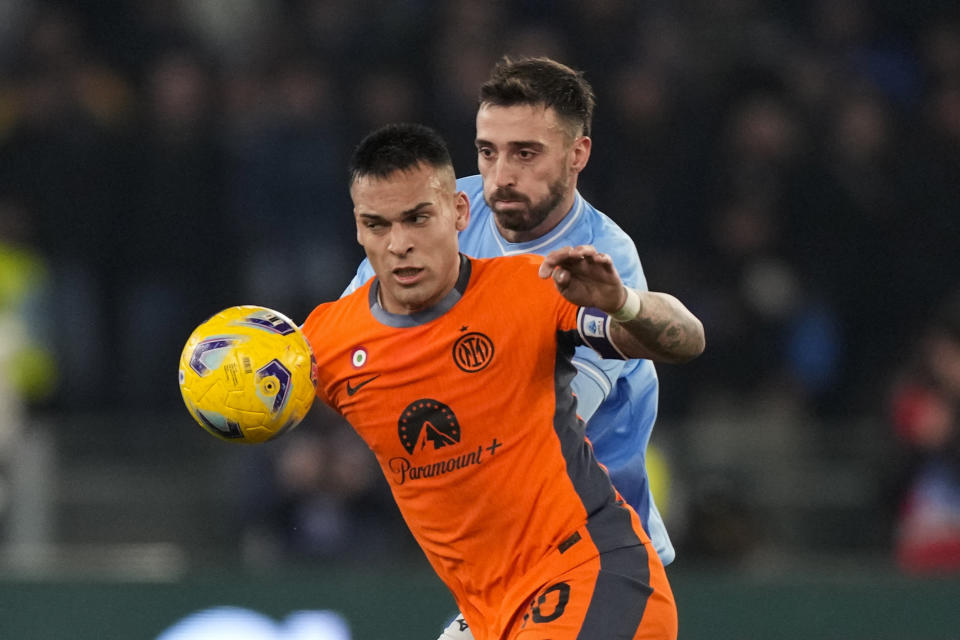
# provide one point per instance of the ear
(462, 205)
(356, 221)
(580, 153)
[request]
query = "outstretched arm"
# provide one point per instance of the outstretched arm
(650, 324)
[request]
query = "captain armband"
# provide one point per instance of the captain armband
(593, 325)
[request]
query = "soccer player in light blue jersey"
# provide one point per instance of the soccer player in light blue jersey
(533, 139)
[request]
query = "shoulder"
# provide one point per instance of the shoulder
(510, 289)
(471, 185)
(515, 278)
(606, 233)
(323, 320)
(521, 263)
(608, 237)
(508, 272)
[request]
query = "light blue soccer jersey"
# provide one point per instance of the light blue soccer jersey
(618, 399)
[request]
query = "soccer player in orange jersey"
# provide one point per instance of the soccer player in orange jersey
(456, 372)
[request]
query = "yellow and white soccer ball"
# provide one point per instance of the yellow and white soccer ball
(248, 374)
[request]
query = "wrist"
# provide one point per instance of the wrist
(630, 308)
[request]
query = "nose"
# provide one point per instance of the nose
(400, 243)
(503, 172)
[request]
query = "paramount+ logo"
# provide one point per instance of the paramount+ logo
(427, 421)
(430, 424)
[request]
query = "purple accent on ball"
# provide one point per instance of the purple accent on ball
(211, 344)
(275, 368)
(222, 427)
(271, 322)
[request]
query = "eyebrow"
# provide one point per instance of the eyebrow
(479, 142)
(403, 214)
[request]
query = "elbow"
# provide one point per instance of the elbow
(692, 346)
(699, 341)
(695, 351)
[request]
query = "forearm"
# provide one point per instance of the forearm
(663, 330)
(644, 324)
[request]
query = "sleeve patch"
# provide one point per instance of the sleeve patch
(593, 325)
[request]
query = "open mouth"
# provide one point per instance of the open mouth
(407, 275)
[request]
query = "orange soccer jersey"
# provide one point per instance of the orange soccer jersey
(468, 409)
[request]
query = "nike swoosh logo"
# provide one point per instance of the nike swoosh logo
(352, 390)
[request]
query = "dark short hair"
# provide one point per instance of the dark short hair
(398, 147)
(545, 81)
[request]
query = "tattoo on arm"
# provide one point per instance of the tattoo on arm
(663, 331)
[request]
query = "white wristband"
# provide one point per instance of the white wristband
(630, 308)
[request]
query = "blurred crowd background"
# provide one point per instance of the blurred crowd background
(790, 170)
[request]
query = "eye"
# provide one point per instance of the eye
(485, 152)
(526, 154)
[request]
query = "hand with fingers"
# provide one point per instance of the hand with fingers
(585, 277)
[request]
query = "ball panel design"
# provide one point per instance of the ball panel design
(247, 374)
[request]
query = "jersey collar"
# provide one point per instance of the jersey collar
(401, 320)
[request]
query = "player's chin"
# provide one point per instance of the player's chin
(414, 298)
(516, 219)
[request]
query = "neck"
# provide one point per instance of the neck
(407, 317)
(455, 280)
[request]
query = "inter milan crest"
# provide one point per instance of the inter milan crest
(427, 421)
(473, 351)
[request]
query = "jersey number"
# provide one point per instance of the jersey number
(549, 605)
